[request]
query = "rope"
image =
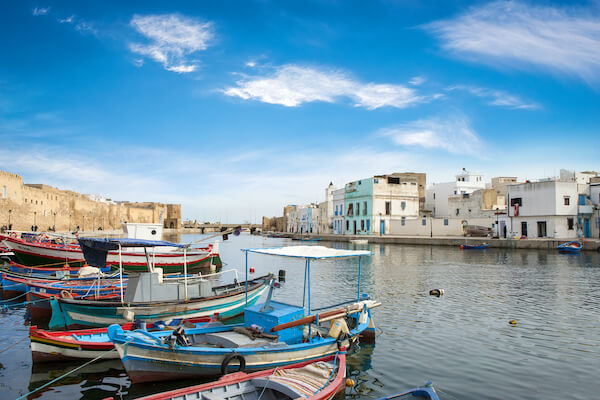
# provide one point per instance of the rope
(5, 306)
(14, 344)
(64, 375)
(332, 372)
(266, 384)
(16, 297)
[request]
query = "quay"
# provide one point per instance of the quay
(537, 243)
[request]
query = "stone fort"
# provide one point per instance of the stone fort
(24, 205)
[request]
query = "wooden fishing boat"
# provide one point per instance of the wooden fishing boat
(39, 307)
(57, 272)
(426, 392)
(150, 297)
(274, 334)
(51, 346)
(474, 246)
(52, 254)
(570, 247)
(311, 239)
(319, 379)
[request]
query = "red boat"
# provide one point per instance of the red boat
(319, 379)
(49, 346)
(39, 303)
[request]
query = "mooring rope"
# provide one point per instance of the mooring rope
(64, 375)
(13, 345)
(16, 297)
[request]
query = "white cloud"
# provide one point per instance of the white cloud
(292, 85)
(453, 135)
(417, 80)
(566, 40)
(251, 64)
(498, 97)
(40, 11)
(83, 26)
(67, 20)
(172, 38)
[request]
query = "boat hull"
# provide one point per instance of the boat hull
(36, 254)
(73, 314)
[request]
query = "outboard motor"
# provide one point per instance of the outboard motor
(281, 275)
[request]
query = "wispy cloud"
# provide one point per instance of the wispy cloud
(498, 97)
(172, 39)
(566, 40)
(417, 80)
(66, 20)
(40, 11)
(453, 134)
(292, 85)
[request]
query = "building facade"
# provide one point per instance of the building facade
(338, 211)
(436, 196)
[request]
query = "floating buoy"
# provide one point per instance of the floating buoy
(349, 382)
(436, 292)
(251, 270)
(512, 322)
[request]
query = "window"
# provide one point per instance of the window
(445, 221)
(393, 180)
(434, 196)
(369, 225)
(582, 199)
(423, 222)
(362, 225)
(457, 211)
(365, 208)
(357, 209)
(567, 200)
(403, 205)
(3, 192)
(403, 221)
(347, 225)
(336, 210)
(375, 180)
(359, 182)
(414, 183)
(516, 201)
(349, 213)
(570, 223)
(388, 208)
(15, 194)
(44, 213)
(469, 211)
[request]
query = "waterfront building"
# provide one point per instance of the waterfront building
(338, 211)
(436, 196)
(595, 200)
(371, 204)
(292, 219)
(326, 214)
(561, 207)
(26, 205)
(481, 203)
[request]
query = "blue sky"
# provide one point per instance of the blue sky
(235, 109)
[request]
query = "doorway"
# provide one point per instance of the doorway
(382, 227)
(541, 228)
(524, 229)
(586, 227)
(354, 227)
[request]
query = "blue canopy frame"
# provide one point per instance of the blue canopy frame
(326, 252)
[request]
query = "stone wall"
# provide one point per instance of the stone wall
(26, 205)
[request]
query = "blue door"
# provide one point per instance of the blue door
(382, 227)
(586, 227)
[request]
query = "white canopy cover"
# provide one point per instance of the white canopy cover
(312, 252)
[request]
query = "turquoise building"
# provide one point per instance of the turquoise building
(358, 206)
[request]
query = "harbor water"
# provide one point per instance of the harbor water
(461, 341)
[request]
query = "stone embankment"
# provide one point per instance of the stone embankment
(543, 244)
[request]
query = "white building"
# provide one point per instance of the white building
(544, 209)
(436, 196)
(338, 211)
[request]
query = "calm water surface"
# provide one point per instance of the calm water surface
(461, 341)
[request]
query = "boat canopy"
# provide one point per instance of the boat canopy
(312, 252)
(95, 249)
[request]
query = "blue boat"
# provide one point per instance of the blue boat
(426, 392)
(273, 334)
(570, 247)
(474, 246)
(311, 239)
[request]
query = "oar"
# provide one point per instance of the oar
(328, 315)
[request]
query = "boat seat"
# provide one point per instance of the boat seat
(230, 339)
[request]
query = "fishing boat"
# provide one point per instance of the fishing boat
(311, 239)
(359, 241)
(474, 246)
(320, 379)
(39, 307)
(274, 334)
(53, 254)
(58, 272)
(150, 296)
(51, 346)
(570, 247)
(426, 392)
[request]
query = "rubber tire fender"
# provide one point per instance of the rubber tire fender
(232, 356)
(65, 294)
